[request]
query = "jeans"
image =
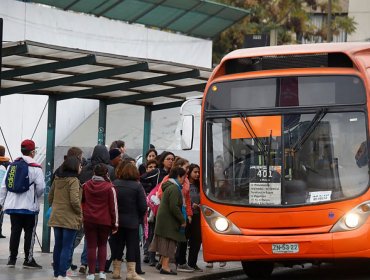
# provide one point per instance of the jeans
(84, 254)
(64, 239)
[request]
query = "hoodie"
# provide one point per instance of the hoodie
(100, 155)
(27, 202)
(100, 202)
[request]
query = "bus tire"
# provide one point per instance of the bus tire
(258, 270)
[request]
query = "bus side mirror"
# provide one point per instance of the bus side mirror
(187, 132)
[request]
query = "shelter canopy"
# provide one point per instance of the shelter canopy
(197, 18)
(64, 73)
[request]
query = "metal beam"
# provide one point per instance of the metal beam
(166, 106)
(49, 169)
(128, 85)
(75, 79)
(159, 93)
(15, 50)
(102, 122)
(49, 67)
(146, 130)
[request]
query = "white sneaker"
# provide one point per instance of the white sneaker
(222, 264)
(102, 275)
(72, 273)
(90, 277)
(209, 265)
(63, 278)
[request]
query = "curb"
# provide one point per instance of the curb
(223, 274)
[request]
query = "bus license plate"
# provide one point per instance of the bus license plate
(285, 248)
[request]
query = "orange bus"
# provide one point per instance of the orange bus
(284, 156)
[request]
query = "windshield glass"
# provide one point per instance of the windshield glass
(288, 159)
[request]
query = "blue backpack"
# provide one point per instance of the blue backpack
(17, 179)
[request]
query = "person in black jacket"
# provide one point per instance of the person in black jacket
(132, 205)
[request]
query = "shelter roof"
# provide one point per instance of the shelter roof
(197, 18)
(35, 68)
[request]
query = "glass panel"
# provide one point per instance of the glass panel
(286, 91)
(315, 158)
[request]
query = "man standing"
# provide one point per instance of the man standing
(4, 163)
(23, 207)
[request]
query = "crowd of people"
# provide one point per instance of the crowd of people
(107, 199)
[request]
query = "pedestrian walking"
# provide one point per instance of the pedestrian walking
(100, 217)
(66, 214)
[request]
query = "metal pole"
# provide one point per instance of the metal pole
(147, 130)
(102, 122)
(329, 39)
(49, 169)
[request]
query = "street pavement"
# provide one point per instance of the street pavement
(45, 259)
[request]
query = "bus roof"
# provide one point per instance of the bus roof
(347, 48)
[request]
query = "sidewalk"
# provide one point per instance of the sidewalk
(46, 273)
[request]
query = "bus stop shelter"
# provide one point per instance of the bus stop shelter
(62, 73)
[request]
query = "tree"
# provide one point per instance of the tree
(290, 18)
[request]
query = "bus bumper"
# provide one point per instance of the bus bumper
(327, 246)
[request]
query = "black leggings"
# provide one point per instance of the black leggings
(125, 237)
(27, 223)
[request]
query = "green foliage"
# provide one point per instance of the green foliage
(290, 18)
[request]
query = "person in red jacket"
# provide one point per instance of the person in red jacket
(100, 213)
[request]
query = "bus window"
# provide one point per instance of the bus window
(312, 159)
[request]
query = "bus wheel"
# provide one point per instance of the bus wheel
(258, 270)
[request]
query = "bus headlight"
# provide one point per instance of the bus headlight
(354, 219)
(221, 224)
(218, 222)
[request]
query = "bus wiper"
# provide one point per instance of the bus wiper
(311, 127)
(269, 157)
(251, 132)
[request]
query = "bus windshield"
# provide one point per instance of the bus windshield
(286, 159)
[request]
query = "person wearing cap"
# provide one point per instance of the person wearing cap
(24, 208)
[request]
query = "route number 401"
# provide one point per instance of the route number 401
(262, 173)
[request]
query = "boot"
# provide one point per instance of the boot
(152, 260)
(116, 269)
(131, 274)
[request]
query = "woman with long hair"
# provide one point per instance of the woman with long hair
(66, 215)
(193, 229)
(150, 155)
